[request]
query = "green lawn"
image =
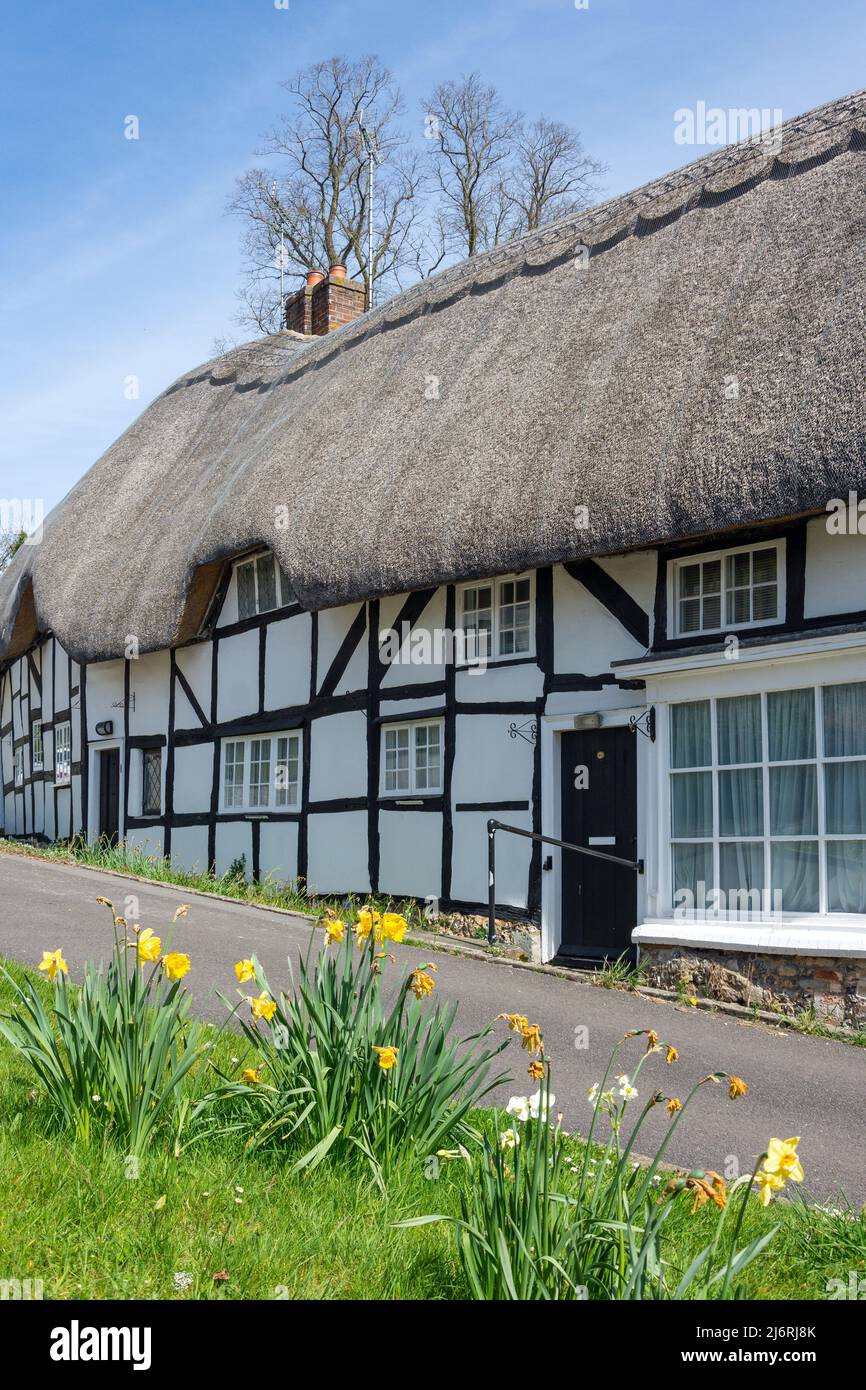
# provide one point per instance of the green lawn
(72, 1217)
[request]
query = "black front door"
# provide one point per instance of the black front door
(599, 810)
(109, 793)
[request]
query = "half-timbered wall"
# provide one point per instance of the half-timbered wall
(324, 675)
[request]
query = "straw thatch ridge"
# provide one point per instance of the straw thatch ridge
(684, 359)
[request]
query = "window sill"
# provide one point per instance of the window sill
(804, 934)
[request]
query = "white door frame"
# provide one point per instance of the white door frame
(551, 729)
(95, 747)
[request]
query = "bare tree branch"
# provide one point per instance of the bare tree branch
(551, 174)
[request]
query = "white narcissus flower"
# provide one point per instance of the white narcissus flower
(536, 1102)
(509, 1139)
(518, 1106)
(592, 1094)
(626, 1090)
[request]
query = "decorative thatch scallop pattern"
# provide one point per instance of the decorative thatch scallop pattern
(701, 368)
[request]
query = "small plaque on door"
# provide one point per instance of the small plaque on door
(602, 840)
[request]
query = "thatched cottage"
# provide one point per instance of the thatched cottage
(568, 536)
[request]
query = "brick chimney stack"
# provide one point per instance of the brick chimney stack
(326, 302)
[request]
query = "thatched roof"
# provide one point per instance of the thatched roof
(612, 386)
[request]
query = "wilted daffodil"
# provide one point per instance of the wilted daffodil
(736, 1087)
(673, 1105)
(420, 982)
(387, 1057)
(536, 1070)
(176, 965)
(671, 1054)
(52, 961)
(148, 946)
(263, 1007)
(245, 970)
(181, 912)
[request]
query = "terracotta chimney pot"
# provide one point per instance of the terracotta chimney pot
(338, 271)
(314, 277)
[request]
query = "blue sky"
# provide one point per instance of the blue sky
(116, 256)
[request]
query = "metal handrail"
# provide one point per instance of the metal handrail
(637, 865)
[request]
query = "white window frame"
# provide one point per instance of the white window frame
(412, 788)
(284, 595)
(706, 557)
(18, 765)
(822, 836)
(273, 795)
(63, 753)
(470, 655)
(37, 754)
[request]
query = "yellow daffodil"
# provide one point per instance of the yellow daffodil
(367, 920)
(335, 930)
(176, 965)
(263, 1007)
(673, 1105)
(149, 946)
(387, 1057)
(782, 1159)
(736, 1087)
(52, 961)
(421, 983)
(251, 1075)
(768, 1183)
(671, 1054)
(245, 970)
(393, 927)
(536, 1070)
(693, 1001)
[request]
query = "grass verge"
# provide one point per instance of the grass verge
(78, 1219)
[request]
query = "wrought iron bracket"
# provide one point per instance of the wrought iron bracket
(644, 723)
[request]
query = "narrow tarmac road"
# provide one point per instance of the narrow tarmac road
(797, 1085)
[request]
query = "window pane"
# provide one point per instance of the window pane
(690, 581)
(691, 805)
(846, 875)
(739, 729)
(260, 771)
(286, 773)
(765, 603)
(738, 570)
(741, 802)
(233, 777)
(246, 591)
(693, 870)
(738, 606)
(267, 583)
(793, 801)
(690, 734)
(741, 876)
(764, 566)
(151, 779)
(844, 720)
(713, 577)
(791, 724)
(712, 612)
(690, 615)
(287, 595)
(795, 876)
(427, 757)
(845, 794)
